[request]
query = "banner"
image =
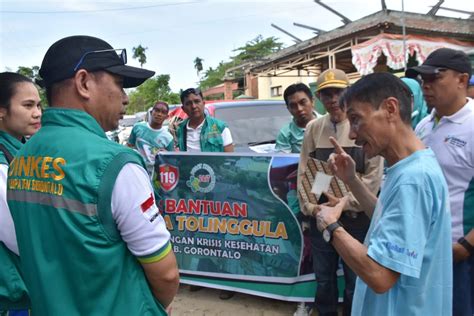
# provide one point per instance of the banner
(235, 222)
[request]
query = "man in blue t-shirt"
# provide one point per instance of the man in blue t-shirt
(404, 266)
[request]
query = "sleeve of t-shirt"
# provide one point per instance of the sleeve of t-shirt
(137, 217)
(283, 143)
(7, 232)
(399, 238)
(226, 137)
(131, 139)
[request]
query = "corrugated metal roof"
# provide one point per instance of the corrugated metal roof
(389, 21)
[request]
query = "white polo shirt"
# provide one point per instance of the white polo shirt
(193, 137)
(452, 140)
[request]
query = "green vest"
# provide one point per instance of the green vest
(211, 135)
(59, 192)
(13, 292)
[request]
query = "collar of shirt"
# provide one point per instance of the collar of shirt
(199, 127)
(459, 117)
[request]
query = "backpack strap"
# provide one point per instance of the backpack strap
(7, 154)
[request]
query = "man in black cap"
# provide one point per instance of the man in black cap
(449, 131)
(83, 206)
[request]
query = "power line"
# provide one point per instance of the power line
(99, 10)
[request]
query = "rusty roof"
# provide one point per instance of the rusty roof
(389, 21)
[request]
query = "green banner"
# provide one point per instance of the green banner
(235, 222)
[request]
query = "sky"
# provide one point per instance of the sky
(176, 31)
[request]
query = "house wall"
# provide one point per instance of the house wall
(273, 87)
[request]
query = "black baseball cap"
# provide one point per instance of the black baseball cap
(442, 58)
(70, 54)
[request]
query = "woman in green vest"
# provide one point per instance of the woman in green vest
(20, 115)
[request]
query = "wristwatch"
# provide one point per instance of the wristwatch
(327, 232)
(463, 242)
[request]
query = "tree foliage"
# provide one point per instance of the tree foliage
(253, 50)
(151, 91)
(139, 53)
(256, 49)
(198, 64)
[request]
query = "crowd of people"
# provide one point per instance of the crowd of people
(81, 233)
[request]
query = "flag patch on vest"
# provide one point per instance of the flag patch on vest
(149, 209)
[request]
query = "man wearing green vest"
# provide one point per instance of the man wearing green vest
(201, 132)
(83, 206)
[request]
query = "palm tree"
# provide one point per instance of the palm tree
(139, 53)
(198, 64)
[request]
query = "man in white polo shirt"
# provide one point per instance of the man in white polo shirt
(449, 131)
(201, 132)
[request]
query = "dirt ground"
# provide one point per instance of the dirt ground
(206, 302)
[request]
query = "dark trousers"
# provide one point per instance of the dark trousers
(463, 288)
(326, 261)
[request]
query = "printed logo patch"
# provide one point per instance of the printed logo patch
(149, 209)
(202, 178)
(453, 140)
(169, 176)
(401, 250)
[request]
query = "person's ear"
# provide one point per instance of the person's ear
(392, 108)
(82, 82)
(464, 80)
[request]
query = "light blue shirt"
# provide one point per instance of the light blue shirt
(410, 233)
(149, 141)
(290, 138)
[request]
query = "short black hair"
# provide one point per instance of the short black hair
(376, 87)
(189, 91)
(297, 87)
(8, 82)
(161, 103)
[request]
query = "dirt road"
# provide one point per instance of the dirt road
(206, 302)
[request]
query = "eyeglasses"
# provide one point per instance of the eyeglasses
(122, 55)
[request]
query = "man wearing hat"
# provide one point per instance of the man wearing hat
(83, 206)
(331, 85)
(449, 132)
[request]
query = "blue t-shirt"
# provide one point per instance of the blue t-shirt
(410, 233)
(149, 141)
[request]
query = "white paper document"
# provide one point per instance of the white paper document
(321, 183)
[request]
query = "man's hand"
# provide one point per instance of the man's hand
(328, 215)
(340, 163)
(314, 208)
(459, 253)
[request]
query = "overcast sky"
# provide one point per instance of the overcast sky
(175, 31)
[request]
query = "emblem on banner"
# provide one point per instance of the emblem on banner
(169, 176)
(202, 178)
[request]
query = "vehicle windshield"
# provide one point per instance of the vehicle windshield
(255, 123)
